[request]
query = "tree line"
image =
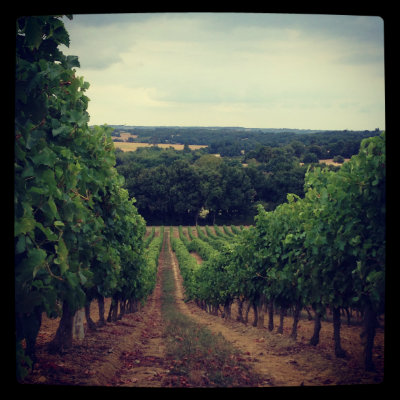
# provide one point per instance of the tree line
(233, 141)
(189, 187)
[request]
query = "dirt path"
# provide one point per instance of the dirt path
(237, 335)
(144, 364)
(127, 352)
(281, 360)
(131, 351)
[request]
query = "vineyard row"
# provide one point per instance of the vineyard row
(78, 235)
(323, 251)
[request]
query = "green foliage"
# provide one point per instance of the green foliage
(147, 275)
(256, 167)
(217, 242)
(150, 237)
(203, 249)
(215, 279)
(210, 234)
(235, 229)
(347, 232)
(227, 231)
(75, 227)
(232, 141)
(310, 158)
(187, 265)
(338, 159)
(179, 190)
(326, 249)
(54, 188)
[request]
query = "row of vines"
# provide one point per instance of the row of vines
(323, 251)
(77, 234)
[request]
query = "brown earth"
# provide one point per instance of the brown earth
(131, 351)
(286, 362)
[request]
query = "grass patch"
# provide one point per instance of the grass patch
(196, 356)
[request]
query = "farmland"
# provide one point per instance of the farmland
(169, 268)
(132, 146)
(127, 142)
(198, 315)
(172, 186)
(145, 353)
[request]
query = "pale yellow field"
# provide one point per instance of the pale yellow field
(330, 161)
(130, 146)
(126, 135)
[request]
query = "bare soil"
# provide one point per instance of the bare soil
(131, 351)
(286, 362)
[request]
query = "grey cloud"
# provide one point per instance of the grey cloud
(198, 61)
(360, 58)
(103, 20)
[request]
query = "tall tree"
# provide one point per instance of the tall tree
(184, 194)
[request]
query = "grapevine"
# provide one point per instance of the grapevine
(326, 250)
(77, 234)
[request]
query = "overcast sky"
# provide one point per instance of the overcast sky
(232, 69)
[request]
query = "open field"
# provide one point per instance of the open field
(330, 161)
(126, 135)
(131, 146)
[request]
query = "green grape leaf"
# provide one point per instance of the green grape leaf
(72, 61)
(33, 33)
(35, 260)
(62, 130)
(24, 225)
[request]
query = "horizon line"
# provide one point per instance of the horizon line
(238, 127)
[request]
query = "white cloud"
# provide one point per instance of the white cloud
(232, 69)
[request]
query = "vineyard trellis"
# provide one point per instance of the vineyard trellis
(78, 235)
(326, 250)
